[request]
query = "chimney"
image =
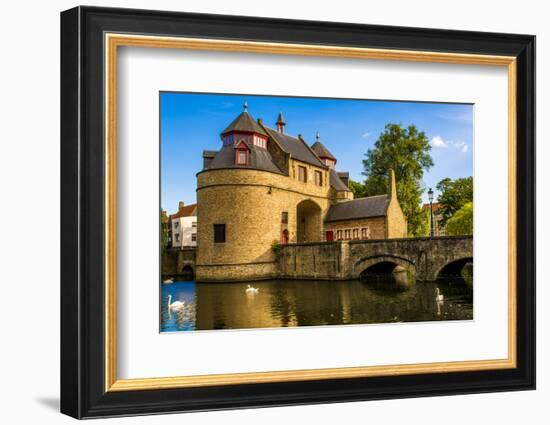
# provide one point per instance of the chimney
(280, 123)
(392, 189)
(344, 176)
(180, 205)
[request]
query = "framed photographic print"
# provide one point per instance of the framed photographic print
(261, 212)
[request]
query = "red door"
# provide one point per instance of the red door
(284, 237)
(330, 235)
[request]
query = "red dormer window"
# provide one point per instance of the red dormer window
(242, 154)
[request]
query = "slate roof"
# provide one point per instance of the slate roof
(296, 147)
(373, 206)
(260, 159)
(209, 154)
(244, 122)
(322, 151)
(336, 183)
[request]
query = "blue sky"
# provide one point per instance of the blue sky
(191, 123)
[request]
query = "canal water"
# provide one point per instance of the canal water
(286, 303)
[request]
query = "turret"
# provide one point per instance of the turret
(280, 123)
(242, 134)
(323, 153)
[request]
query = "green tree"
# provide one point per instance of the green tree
(462, 222)
(423, 228)
(359, 190)
(454, 194)
(163, 229)
(407, 152)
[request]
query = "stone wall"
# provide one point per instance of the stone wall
(396, 222)
(328, 260)
(173, 260)
(346, 260)
(250, 203)
(376, 225)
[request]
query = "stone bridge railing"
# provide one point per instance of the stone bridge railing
(343, 260)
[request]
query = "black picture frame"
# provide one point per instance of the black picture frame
(82, 212)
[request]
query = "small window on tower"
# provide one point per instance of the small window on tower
(219, 233)
(242, 157)
(284, 217)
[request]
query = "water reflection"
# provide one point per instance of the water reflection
(285, 303)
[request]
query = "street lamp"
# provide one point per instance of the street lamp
(431, 198)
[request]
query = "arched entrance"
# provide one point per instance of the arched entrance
(187, 272)
(309, 223)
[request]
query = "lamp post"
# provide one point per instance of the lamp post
(431, 198)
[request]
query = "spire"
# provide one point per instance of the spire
(280, 123)
(317, 137)
(245, 106)
(392, 189)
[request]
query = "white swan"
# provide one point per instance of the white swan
(439, 296)
(174, 306)
(251, 290)
(168, 281)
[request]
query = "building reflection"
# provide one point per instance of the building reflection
(308, 303)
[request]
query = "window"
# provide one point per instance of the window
(193, 237)
(219, 233)
(318, 178)
(176, 224)
(242, 157)
(355, 233)
(302, 174)
(177, 237)
(365, 233)
(284, 217)
(258, 141)
(194, 224)
(339, 235)
(348, 234)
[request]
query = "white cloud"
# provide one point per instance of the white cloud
(438, 142)
(365, 135)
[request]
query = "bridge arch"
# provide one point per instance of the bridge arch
(382, 264)
(454, 267)
(188, 271)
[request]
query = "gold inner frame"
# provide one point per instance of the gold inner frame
(113, 41)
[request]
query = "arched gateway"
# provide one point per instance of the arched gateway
(309, 221)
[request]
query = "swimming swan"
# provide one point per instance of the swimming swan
(174, 306)
(251, 290)
(168, 281)
(439, 296)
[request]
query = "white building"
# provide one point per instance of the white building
(183, 226)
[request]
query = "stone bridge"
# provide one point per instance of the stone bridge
(179, 262)
(426, 258)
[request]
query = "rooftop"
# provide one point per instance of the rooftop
(186, 211)
(244, 122)
(373, 206)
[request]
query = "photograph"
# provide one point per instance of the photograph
(303, 211)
